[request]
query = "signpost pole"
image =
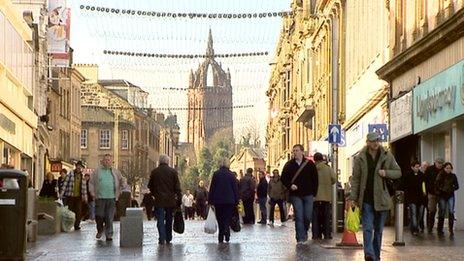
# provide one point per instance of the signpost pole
(335, 61)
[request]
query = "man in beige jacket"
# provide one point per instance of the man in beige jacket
(105, 187)
(322, 202)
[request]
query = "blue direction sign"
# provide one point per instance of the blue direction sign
(342, 142)
(335, 133)
(380, 129)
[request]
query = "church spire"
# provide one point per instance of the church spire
(210, 49)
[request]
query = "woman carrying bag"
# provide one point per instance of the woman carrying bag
(223, 195)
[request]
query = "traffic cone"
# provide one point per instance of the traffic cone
(349, 239)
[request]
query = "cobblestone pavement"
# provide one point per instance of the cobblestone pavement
(256, 242)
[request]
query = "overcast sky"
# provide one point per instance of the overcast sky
(93, 32)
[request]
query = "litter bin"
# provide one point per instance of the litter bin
(13, 210)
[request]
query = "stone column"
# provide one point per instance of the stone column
(457, 150)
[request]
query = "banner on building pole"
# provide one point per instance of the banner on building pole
(58, 32)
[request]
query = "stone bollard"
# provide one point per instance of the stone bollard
(131, 225)
(32, 217)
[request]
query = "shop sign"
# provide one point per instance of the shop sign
(439, 99)
(56, 166)
(401, 117)
(7, 124)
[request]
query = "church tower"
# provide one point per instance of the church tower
(209, 100)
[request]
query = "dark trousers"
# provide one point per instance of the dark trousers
(224, 214)
(201, 209)
(149, 210)
(164, 224)
(249, 217)
(280, 203)
(321, 220)
(104, 215)
(189, 213)
(263, 209)
(75, 205)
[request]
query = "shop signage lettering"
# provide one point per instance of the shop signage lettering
(7, 124)
(439, 99)
(434, 101)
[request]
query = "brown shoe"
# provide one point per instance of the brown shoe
(99, 235)
(109, 239)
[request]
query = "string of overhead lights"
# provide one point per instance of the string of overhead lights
(144, 13)
(183, 56)
(120, 108)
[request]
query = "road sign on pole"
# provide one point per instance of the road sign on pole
(381, 129)
(335, 133)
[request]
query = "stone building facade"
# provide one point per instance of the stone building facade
(209, 100)
(301, 85)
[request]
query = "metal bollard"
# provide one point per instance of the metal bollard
(399, 215)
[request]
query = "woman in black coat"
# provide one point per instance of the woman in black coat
(223, 195)
(49, 187)
(445, 185)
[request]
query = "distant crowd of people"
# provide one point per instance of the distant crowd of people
(305, 184)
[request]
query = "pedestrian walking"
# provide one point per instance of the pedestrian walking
(223, 195)
(165, 186)
(187, 202)
(90, 199)
(372, 166)
(446, 184)
(299, 176)
(322, 209)
(276, 191)
(61, 178)
(431, 175)
(261, 193)
(247, 188)
(105, 187)
(201, 196)
(416, 197)
(49, 187)
(148, 202)
(75, 190)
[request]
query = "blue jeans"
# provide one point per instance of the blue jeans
(303, 211)
(262, 208)
(164, 224)
(415, 214)
(372, 223)
(92, 210)
(445, 205)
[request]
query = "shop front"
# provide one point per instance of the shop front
(403, 142)
(438, 119)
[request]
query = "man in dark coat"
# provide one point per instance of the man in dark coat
(261, 193)
(164, 185)
(416, 196)
(201, 196)
(223, 195)
(302, 189)
(247, 187)
(431, 175)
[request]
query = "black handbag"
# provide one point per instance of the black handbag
(179, 225)
(235, 222)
